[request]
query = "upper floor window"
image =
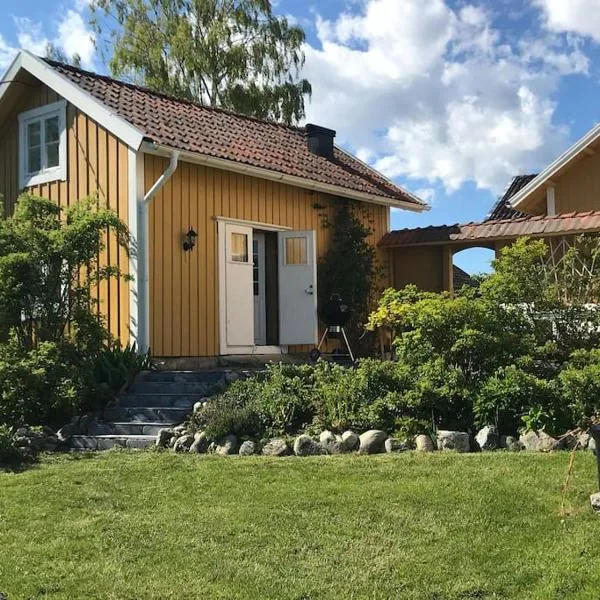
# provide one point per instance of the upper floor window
(43, 144)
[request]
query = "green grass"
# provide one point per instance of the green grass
(161, 526)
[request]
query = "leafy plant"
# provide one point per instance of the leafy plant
(10, 454)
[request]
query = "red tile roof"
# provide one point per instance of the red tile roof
(537, 226)
(188, 126)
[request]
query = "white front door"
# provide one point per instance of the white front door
(259, 289)
(297, 288)
(239, 304)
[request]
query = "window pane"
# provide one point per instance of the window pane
(33, 134)
(239, 247)
(52, 133)
(295, 251)
(52, 155)
(34, 159)
(255, 271)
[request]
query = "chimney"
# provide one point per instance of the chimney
(320, 140)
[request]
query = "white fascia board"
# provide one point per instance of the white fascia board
(261, 173)
(71, 92)
(577, 148)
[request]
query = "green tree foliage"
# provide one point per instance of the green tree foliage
(53, 52)
(52, 341)
(235, 54)
(349, 268)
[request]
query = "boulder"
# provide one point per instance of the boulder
(198, 406)
(350, 440)
(248, 448)
(183, 443)
(595, 501)
(335, 447)
(163, 437)
(200, 444)
(65, 433)
(96, 427)
(583, 441)
(510, 443)
(173, 441)
(327, 437)
(487, 438)
(276, 447)
(394, 445)
(538, 441)
(226, 446)
(180, 429)
(306, 446)
(372, 441)
(592, 446)
(424, 443)
(453, 440)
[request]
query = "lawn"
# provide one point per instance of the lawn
(126, 525)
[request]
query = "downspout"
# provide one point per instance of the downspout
(143, 246)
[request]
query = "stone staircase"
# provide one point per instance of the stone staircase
(155, 400)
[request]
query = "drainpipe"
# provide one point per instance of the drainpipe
(143, 237)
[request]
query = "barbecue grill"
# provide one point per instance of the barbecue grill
(335, 314)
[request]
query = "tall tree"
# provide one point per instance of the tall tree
(231, 53)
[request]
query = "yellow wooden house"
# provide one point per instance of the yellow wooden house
(225, 210)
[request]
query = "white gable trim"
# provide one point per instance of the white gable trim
(71, 92)
(546, 175)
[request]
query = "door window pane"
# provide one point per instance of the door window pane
(295, 251)
(239, 247)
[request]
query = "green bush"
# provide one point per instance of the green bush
(580, 386)
(45, 385)
(513, 399)
(10, 455)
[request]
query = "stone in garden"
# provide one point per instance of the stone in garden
(227, 446)
(350, 440)
(335, 447)
(487, 438)
(66, 431)
(163, 437)
(592, 446)
(326, 437)
(453, 440)
(183, 443)
(595, 500)
(84, 423)
(538, 441)
(510, 443)
(583, 441)
(96, 427)
(248, 448)
(394, 445)
(173, 441)
(306, 446)
(372, 441)
(179, 429)
(51, 443)
(276, 447)
(424, 443)
(200, 444)
(198, 406)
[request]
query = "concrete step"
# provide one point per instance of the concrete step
(141, 400)
(155, 414)
(140, 428)
(197, 388)
(106, 442)
(184, 376)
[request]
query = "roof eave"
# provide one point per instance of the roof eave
(262, 173)
(71, 92)
(535, 184)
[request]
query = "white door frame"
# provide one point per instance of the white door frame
(224, 349)
(260, 299)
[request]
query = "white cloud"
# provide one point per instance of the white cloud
(74, 37)
(427, 92)
(577, 16)
(426, 194)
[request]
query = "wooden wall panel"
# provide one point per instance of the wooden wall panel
(97, 164)
(578, 189)
(184, 302)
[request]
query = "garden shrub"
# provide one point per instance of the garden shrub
(10, 454)
(514, 399)
(580, 386)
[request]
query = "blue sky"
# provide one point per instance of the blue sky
(449, 98)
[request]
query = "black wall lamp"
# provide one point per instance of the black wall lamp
(190, 240)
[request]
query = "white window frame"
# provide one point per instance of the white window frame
(40, 114)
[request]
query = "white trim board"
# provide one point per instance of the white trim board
(253, 224)
(71, 92)
(293, 180)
